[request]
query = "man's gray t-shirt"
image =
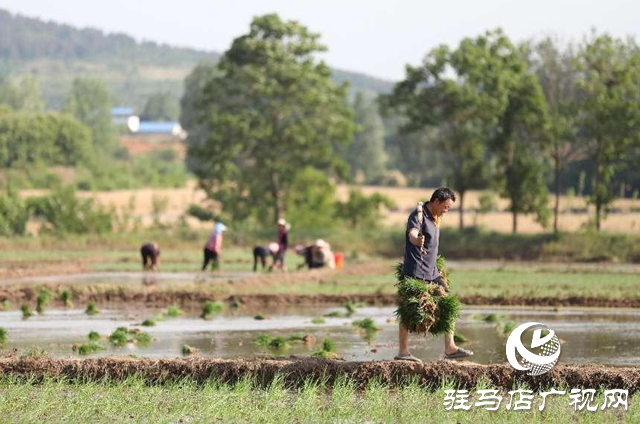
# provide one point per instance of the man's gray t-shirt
(417, 265)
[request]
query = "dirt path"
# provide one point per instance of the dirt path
(296, 370)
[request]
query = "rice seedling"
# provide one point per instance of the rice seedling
(366, 324)
(211, 308)
(509, 327)
(88, 348)
(491, 318)
(188, 350)
(65, 298)
(263, 340)
(351, 307)
(328, 350)
(236, 303)
(91, 309)
(119, 337)
(278, 342)
(295, 338)
(258, 317)
(142, 338)
(318, 320)
(459, 337)
(335, 314)
(93, 336)
(5, 305)
(42, 301)
(3, 336)
(148, 323)
(26, 311)
(173, 312)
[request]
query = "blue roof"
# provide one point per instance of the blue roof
(122, 111)
(157, 127)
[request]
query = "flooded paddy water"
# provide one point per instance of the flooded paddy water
(603, 336)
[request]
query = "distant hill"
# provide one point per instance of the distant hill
(56, 54)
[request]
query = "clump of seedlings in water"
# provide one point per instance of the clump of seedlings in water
(188, 350)
(211, 308)
(148, 323)
(318, 320)
(173, 312)
(335, 314)
(328, 350)
(278, 342)
(91, 309)
(5, 304)
(3, 336)
(491, 318)
(122, 335)
(26, 311)
(87, 348)
(65, 298)
(509, 327)
(236, 303)
(368, 327)
(351, 307)
(42, 301)
(93, 336)
(258, 317)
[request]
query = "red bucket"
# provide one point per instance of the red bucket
(339, 257)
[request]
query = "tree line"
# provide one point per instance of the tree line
(486, 114)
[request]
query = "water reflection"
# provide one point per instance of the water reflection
(589, 335)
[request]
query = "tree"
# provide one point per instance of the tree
(365, 155)
(23, 96)
(161, 107)
(89, 102)
(435, 95)
(558, 78)
(361, 209)
(271, 112)
(517, 110)
(609, 108)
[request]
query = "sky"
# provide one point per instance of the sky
(375, 37)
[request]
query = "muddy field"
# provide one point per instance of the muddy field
(193, 298)
(296, 371)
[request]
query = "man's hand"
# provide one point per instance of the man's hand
(415, 239)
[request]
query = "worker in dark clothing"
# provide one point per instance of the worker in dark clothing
(150, 256)
(283, 243)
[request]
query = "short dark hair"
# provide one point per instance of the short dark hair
(443, 193)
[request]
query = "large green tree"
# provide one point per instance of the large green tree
(512, 95)
(271, 112)
(609, 108)
(435, 95)
(365, 154)
(90, 103)
(554, 66)
(23, 95)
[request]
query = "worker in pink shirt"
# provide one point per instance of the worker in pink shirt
(213, 248)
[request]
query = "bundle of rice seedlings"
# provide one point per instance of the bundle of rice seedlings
(258, 317)
(173, 312)
(318, 320)
(188, 350)
(93, 336)
(3, 336)
(91, 309)
(211, 308)
(88, 348)
(459, 338)
(42, 301)
(328, 350)
(425, 307)
(26, 311)
(148, 323)
(65, 298)
(278, 342)
(263, 340)
(366, 324)
(5, 304)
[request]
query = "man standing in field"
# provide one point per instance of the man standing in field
(421, 251)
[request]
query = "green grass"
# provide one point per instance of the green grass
(185, 401)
